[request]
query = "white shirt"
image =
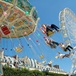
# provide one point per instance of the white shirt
(61, 55)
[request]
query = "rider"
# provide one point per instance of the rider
(52, 28)
(66, 47)
(64, 55)
(51, 42)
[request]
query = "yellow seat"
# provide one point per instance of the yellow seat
(42, 56)
(50, 33)
(18, 49)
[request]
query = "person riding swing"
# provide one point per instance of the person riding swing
(49, 30)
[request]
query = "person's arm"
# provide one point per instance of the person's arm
(42, 30)
(46, 42)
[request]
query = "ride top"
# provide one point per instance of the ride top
(17, 17)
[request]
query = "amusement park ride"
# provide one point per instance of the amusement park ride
(68, 28)
(18, 18)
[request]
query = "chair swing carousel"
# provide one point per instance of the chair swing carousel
(18, 18)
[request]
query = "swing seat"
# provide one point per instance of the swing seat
(18, 49)
(5, 30)
(50, 33)
(43, 62)
(53, 46)
(42, 56)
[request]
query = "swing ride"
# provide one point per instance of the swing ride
(16, 16)
(68, 29)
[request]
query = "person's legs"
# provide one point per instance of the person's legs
(49, 29)
(54, 27)
(67, 48)
(52, 45)
(63, 56)
(70, 47)
(55, 43)
(67, 55)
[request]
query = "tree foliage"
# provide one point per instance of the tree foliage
(24, 72)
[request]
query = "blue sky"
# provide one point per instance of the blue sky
(48, 11)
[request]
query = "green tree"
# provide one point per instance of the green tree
(24, 72)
